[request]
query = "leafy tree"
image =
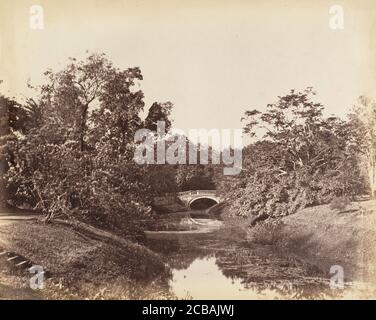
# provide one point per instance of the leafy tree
(158, 112)
(5, 136)
(76, 159)
(69, 94)
(296, 124)
(161, 179)
(363, 119)
(301, 158)
(14, 117)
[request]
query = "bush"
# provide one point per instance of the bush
(340, 203)
(267, 232)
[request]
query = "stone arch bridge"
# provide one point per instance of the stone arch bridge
(189, 198)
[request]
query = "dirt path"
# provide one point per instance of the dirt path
(9, 215)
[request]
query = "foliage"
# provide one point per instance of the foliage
(69, 152)
(12, 117)
(363, 120)
(340, 203)
(75, 159)
(268, 232)
(195, 177)
(302, 158)
(158, 112)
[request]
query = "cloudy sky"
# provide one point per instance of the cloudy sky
(212, 59)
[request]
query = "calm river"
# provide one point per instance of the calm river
(219, 264)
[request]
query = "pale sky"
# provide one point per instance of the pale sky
(212, 59)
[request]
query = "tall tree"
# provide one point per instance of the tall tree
(14, 118)
(77, 159)
(70, 93)
(300, 158)
(5, 136)
(158, 112)
(296, 124)
(363, 118)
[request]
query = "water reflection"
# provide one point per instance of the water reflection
(220, 265)
(204, 279)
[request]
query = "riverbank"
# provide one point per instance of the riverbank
(78, 265)
(330, 237)
(324, 237)
(291, 259)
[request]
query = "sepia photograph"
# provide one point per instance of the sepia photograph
(164, 150)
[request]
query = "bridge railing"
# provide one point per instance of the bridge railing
(195, 192)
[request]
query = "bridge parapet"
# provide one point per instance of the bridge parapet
(197, 192)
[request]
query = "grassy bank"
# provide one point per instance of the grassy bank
(324, 237)
(79, 265)
(333, 237)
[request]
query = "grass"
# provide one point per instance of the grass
(328, 236)
(268, 232)
(324, 235)
(83, 267)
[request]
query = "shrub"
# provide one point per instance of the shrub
(340, 203)
(267, 232)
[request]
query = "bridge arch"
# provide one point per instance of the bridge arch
(212, 201)
(194, 196)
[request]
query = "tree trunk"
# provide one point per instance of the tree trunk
(83, 126)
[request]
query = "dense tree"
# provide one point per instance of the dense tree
(69, 152)
(76, 158)
(195, 177)
(296, 124)
(15, 121)
(69, 94)
(363, 119)
(158, 112)
(301, 158)
(5, 137)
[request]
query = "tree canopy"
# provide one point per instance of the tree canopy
(300, 158)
